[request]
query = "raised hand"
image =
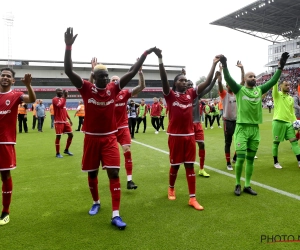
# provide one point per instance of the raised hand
(183, 71)
(140, 69)
(223, 60)
(157, 52)
(149, 51)
(220, 67)
(217, 74)
(27, 79)
(94, 62)
(239, 64)
(283, 60)
(69, 38)
(65, 93)
(217, 58)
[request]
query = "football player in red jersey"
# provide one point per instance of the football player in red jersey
(123, 134)
(9, 102)
(100, 127)
(62, 125)
(181, 140)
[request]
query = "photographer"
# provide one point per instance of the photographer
(132, 115)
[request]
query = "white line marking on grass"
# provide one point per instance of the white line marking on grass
(294, 196)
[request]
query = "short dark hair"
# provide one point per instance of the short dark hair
(9, 69)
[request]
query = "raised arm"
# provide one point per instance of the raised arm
(232, 83)
(141, 85)
(162, 72)
(220, 85)
(68, 64)
(269, 84)
(31, 94)
(93, 63)
(275, 92)
(209, 77)
(124, 80)
(210, 86)
(240, 65)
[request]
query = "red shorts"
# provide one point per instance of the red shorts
(182, 149)
(100, 150)
(62, 128)
(199, 135)
(123, 136)
(7, 157)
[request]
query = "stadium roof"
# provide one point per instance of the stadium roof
(271, 20)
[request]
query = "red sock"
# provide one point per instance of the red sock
(298, 135)
(69, 141)
(202, 157)
(57, 145)
(6, 194)
(172, 176)
(191, 180)
(227, 156)
(93, 185)
(115, 190)
(128, 163)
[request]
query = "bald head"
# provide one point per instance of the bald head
(115, 78)
(250, 79)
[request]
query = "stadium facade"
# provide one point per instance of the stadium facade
(276, 21)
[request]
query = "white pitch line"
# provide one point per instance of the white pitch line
(276, 190)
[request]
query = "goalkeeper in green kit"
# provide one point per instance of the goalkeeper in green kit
(249, 116)
(282, 125)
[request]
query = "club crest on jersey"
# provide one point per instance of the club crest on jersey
(120, 97)
(108, 92)
(7, 102)
(276, 137)
(255, 92)
(239, 144)
(176, 94)
(188, 97)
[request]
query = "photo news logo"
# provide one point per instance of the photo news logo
(264, 238)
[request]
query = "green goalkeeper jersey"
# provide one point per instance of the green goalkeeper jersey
(248, 100)
(283, 106)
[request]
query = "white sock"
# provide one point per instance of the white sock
(129, 177)
(96, 202)
(115, 213)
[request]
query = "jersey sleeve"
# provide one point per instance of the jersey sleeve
(232, 83)
(269, 84)
(275, 92)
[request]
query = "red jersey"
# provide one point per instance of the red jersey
(155, 109)
(100, 118)
(121, 108)
(60, 111)
(181, 112)
(9, 103)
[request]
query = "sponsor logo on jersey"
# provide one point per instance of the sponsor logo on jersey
(93, 101)
(4, 112)
(120, 104)
(183, 106)
(251, 99)
(7, 102)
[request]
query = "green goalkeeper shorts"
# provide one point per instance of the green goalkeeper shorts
(282, 131)
(246, 136)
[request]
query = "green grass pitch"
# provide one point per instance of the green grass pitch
(51, 199)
